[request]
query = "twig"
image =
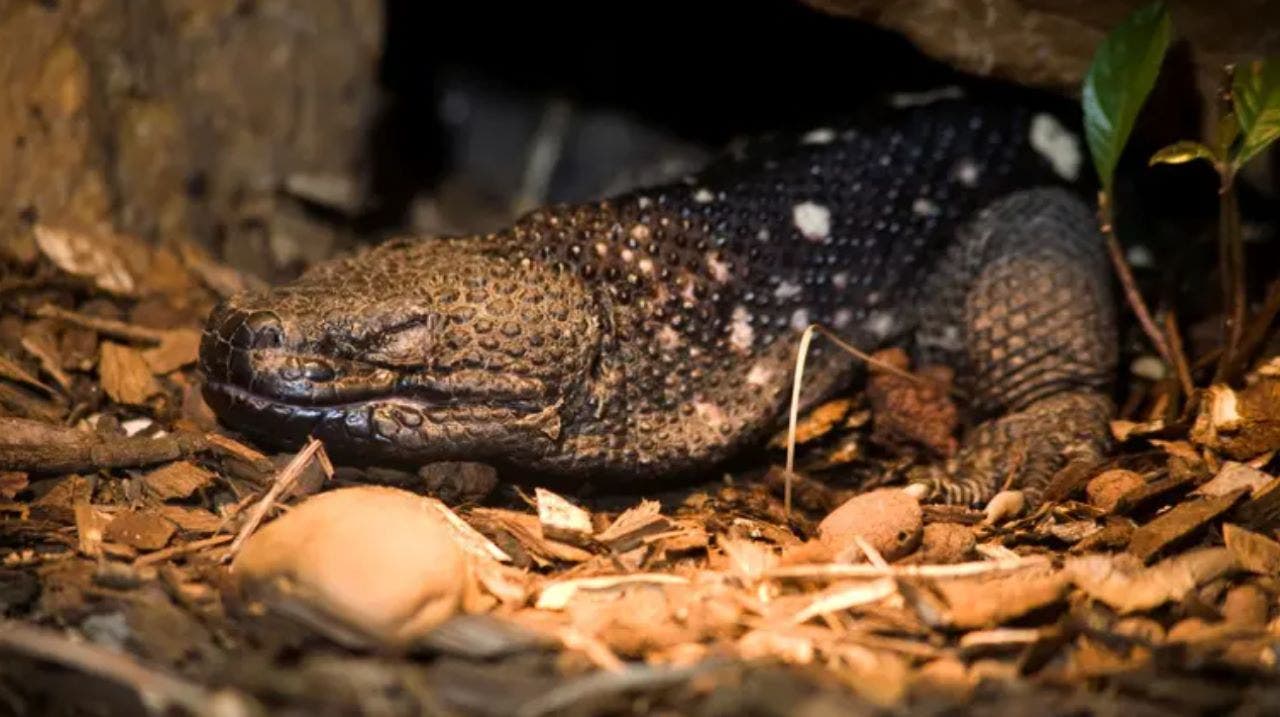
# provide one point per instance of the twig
(1179, 356)
(192, 547)
(1130, 285)
(159, 691)
(1230, 244)
(797, 381)
(1258, 327)
(284, 480)
(956, 570)
(73, 451)
(107, 327)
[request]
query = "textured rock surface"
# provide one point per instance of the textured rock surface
(174, 120)
(1049, 43)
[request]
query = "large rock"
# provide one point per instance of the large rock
(1049, 43)
(184, 119)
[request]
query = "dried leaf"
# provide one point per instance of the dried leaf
(90, 256)
(1232, 477)
(176, 480)
(125, 375)
(558, 594)
(1254, 552)
(1123, 583)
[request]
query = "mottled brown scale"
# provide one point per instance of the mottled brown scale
(653, 333)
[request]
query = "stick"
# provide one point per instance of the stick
(1130, 285)
(284, 480)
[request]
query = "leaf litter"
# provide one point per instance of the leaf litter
(145, 547)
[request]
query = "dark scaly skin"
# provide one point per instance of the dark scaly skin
(653, 334)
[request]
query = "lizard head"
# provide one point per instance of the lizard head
(416, 350)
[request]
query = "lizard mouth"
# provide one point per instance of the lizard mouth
(281, 397)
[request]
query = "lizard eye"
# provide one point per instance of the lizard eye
(407, 344)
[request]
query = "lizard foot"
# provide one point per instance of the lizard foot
(1019, 451)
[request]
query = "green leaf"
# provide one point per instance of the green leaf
(1255, 92)
(1123, 72)
(1180, 152)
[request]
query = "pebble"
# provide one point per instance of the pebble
(373, 559)
(889, 519)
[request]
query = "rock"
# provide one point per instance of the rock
(1245, 605)
(945, 543)
(368, 563)
(198, 129)
(1050, 44)
(1105, 489)
(889, 519)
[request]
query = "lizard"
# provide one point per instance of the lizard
(653, 333)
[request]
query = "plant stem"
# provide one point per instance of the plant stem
(1231, 270)
(1130, 285)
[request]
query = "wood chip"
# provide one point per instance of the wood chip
(633, 525)
(984, 603)
(91, 524)
(126, 377)
(191, 520)
(141, 529)
(1234, 476)
(562, 520)
(558, 594)
(1179, 522)
(1254, 552)
(178, 348)
(177, 480)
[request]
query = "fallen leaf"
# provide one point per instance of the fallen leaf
(1234, 476)
(126, 377)
(1254, 552)
(89, 256)
(1123, 583)
(558, 594)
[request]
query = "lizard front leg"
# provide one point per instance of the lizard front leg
(1021, 306)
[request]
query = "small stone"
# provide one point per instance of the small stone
(373, 559)
(1245, 605)
(890, 520)
(1106, 488)
(946, 543)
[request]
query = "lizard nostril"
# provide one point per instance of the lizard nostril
(317, 371)
(265, 330)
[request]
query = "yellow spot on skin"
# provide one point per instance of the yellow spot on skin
(719, 268)
(741, 334)
(759, 375)
(710, 413)
(813, 220)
